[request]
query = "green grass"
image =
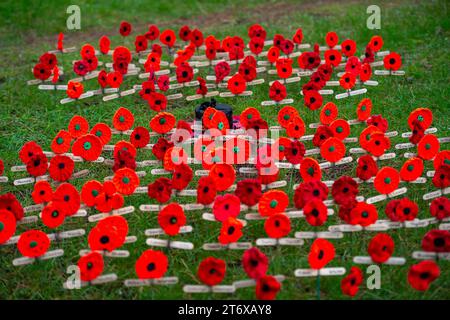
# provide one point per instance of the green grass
(418, 31)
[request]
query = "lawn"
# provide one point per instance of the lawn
(418, 30)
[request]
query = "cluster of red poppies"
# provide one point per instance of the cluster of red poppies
(222, 151)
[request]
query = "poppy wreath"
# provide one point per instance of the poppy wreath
(156, 136)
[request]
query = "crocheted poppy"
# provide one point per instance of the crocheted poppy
(350, 283)
(295, 151)
(422, 274)
(184, 73)
(173, 157)
(219, 121)
(90, 190)
(78, 126)
(61, 143)
(436, 241)
(102, 79)
(182, 175)
(9, 202)
(126, 181)
(441, 158)
(104, 44)
(365, 72)
(378, 144)
(308, 190)
(28, 150)
(340, 128)
(81, 68)
(157, 101)
(152, 33)
(441, 178)
(348, 47)
(248, 114)
(411, 169)
(89, 147)
(284, 68)
(237, 150)
(226, 206)
(114, 79)
(272, 201)
(247, 71)
(140, 43)
(124, 159)
(376, 43)
(272, 54)
(7, 225)
(313, 99)
(211, 271)
(140, 137)
(310, 170)
(315, 212)
(440, 208)
(255, 263)
(67, 194)
(42, 71)
(332, 57)
(91, 266)
(378, 121)
(328, 113)
(231, 231)
(321, 253)
(392, 61)
(367, 168)
(221, 70)
(37, 166)
(295, 128)
(102, 131)
(267, 288)
(309, 60)
(163, 122)
(152, 264)
(363, 214)
(332, 39)
(223, 176)
(277, 91)
(428, 147)
(108, 199)
(125, 28)
(257, 128)
(364, 109)
(160, 147)
(160, 190)
(184, 33)
(237, 84)
(423, 115)
(286, 114)
(344, 191)
(381, 247)
(279, 148)
(347, 81)
(249, 191)
(33, 243)
(74, 89)
(53, 214)
(123, 119)
(386, 180)
(103, 238)
(42, 192)
(418, 132)
(277, 225)
(268, 173)
(332, 149)
(61, 168)
(171, 218)
(322, 133)
(206, 190)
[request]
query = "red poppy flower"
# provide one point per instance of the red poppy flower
(171, 218)
(37, 166)
(344, 191)
(81, 68)
(381, 247)
(257, 128)
(428, 147)
(7, 224)
(211, 271)
(184, 73)
(104, 44)
(33, 243)
(376, 43)
(74, 89)
(9, 202)
(277, 225)
(61, 143)
(151, 264)
(422, 274)
(168, 37)
(268, 173)
(237, 84)
(125, 28)
(308, 190)
(102, 131)
(277, 91)
(332, 149)
(78, 126)
(418, 132)
(313, 99)
(140, 137)
(123, 119)
(255, 263)
(273, 201)
(256, 45)
(406, 210)
(364, 137)
(108, 199)
(295, 128)
(392, 61)
(441, 178)
(348, 47)
(328, 113)
(226, 206)
(91, 266)
(321, 253)
(309, 60)
(321, 135)
(286, 115)
(28, 150)
(67, 194)
(364, 109)
(61, 168)
(160, 190)
(160, 148)
(378, 121)
(331, 39)
(124, 159)
(279, 148)
(48, 59)
(310, 170)
(411, 169)
(89, 147)
(249, 191)
(350, 284)
(332, 57)
(126, 181)
(386, 180)
(173, 157)
(91, 189)
(152, 33)
(378, 144)
(363, 214)
(365, 72)
(315, 212)
(182, 175)
(220, 122)
(184, 33)
(247, 71)
(436, 241)
(347, 81)
(440, 208)
(157, 101)
(162, 122)
(423, 115)
(206, 190)
(53, 214)
(231, 231)
(340, 128)
(140, 43)
(42, 192)
(272, 54)
(294, 152)
(221, 70)
(104, 238)
(223, 176)
(267, 288)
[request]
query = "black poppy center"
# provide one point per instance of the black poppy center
(104, 239)
(151, 266)
(61, 165)
(321, 254)
(231, 230)
(439, 242)
(316, 192)
(315, 212)
(173, 220)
